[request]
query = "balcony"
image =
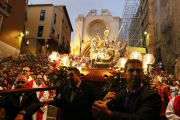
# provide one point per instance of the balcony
(167, 23)
(163, 3)
(52, 36)
(6, 10)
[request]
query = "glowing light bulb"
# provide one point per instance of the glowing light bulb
(135, 56)
(54, 56)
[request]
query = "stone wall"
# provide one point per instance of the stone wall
(151, 47)
(7, 50)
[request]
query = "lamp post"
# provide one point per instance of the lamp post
(54, 57)
(121, 63)
(136, 55)
(148, 59)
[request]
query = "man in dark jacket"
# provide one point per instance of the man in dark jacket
(136, 102)
(20, 106)
(77, 98)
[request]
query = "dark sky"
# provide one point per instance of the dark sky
(76, 7)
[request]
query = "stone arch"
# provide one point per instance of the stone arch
(86, 51)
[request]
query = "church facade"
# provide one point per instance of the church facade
(91, 26)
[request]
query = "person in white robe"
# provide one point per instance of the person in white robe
(41, 114)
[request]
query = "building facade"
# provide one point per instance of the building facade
(91, 26)
(167, 27)
(147, 25)
(66, 29)
(12, 19)
(43, 30)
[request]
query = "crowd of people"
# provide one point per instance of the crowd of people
(36, 68)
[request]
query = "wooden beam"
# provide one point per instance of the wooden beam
(26, 90)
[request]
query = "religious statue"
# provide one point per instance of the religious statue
(115, 40)
(106, 35)
(105, 51)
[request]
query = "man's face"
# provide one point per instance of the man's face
(72, 78)
(22, 82)
(133, 75)
(11, 70)
(39, 79)
(26, 71)
(9, 74)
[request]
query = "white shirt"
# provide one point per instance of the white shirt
(170, 111)
(21, 97)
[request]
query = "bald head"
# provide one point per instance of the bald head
(22, 82)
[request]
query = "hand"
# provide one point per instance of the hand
(9, 86)
(46, 101)
(110, 95)
(100, 110)
(19, 117)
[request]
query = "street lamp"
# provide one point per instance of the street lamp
(27, 32)
(54, 57)
(145, 33)
(148, 59)
(21, 35)
(136, 55)
(121, 62)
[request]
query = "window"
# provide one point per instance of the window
(62, 20)
(24, 30)
(67, 45)
(25, 1)
(26, 15)
(53, 30)
(55, 18)
(156, 8)
(57, 36)
(42, 15)
(1, 18)
(92, 13)
(40, 31)
(104, 13)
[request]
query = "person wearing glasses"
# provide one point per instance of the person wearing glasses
(136, 102)
(41, 114)
(27, 73)
(20, 106)
(76, 98)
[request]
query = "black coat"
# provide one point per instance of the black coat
(80, 108)
(11, 103)
(146, 105)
